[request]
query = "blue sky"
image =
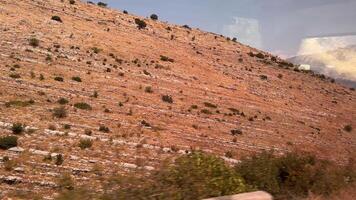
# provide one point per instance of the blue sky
(278, 26)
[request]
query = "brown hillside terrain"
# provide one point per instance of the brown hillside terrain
(225, 100)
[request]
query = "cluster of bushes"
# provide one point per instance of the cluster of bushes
(198, 176)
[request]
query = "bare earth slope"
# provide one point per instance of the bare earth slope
(224, 100)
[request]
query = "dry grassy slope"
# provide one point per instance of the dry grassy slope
(297, 104)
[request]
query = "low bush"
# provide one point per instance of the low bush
(59, 112)
(57, 18)
(17, 128)
(348, 128)
(148, 89)
(210, 105)
(15, 76)
(166, 59)
(77, 79)
(167, 99)
(34, 42)
(194, 176)
(154, 17)
(83, 106)
(62, 101)
(85, 143)
(140, 23)
(18, 103)
(294, 175)
(102, 4)
(59, 79)
(104, 129)
(7, 142)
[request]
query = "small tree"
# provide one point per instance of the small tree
(154, 17)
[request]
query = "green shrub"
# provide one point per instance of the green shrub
(58, 78)
(57, 18)
(96, 50)
(148, 89)
(104, 129)
(62, 101)
(83, 106)
(7, 142)
(102, 4)
(194, 176)
(19, 103)
(167, 98)
(85, 143)
(17, 128)
(59, 159)
(348, 128)
(15, 75)
(34, 42)
(293, 175)
(210, 105)
(263, 77)
(154, 17)
(166, 59)
(77, 78)
(140, 23)
(65, 182)
(59, 112)
(206, 111)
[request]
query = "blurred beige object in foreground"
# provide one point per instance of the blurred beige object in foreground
(259, 195)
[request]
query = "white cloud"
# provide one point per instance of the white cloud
(245, 30)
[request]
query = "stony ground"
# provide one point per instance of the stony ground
(225, 99)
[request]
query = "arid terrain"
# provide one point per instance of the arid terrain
(144, 95)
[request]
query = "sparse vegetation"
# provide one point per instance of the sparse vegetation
(59, 112)
(83, 106)
(148, 89)
(348, 128)
(102, 4)
(77, 79)
(17, 128)
(57, 18)
(59, 159)
(7, 142)
(62, 101)
(104, 129)
(59, 79)
(166, 59)
(154, 17)
(140, 23)
(236, 132)
(210, 105)
(34, 42)
(18, 103)
(167, 99)
(85, 143)
(15, 75)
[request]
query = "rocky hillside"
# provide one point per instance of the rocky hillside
(89, 92)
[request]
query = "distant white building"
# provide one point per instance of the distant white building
(304, 67)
